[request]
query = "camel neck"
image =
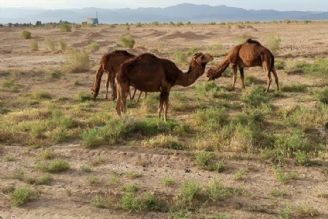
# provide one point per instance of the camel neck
(188, 78)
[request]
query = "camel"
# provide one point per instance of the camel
(249, 54)
(149, 73)
(111, 63)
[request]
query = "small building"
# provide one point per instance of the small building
(93, 20)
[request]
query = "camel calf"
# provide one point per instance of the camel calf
(249, 54)
(111, 63)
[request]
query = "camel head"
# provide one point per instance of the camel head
(214, 72)
(201, 59)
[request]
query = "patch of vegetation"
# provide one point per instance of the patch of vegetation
(94, 46)
(130, 201)
(280, 65)
(65, 27)
(101, 201)
(211, 119)
(189, 193)
(164, 141)
(240, 175)
(77, 61)
(116, 130)
(42, 180)
(283, 177)
(86, 169)
(94, 180)
(26, 34)
(323, 95)
(294, 88)
(34, 45)
(206, 160)
(318, 68)
(63, 46)
(42, 95)
(127, 41)
(51, 45)
(55, 166)
(56, 74)
(11, 85)
(217, 192)
(278, 193)
(256, 96)
(273, 43)
(21, 196)
(47, 154)
(167, 181)
(209, 89)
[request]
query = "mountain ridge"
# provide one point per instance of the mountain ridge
(181, 12)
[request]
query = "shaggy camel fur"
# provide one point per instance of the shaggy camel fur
(111, 63)
(152, 74)
(249, 54)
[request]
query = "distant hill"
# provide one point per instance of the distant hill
(181, 12)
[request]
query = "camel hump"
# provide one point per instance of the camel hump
(253, 41)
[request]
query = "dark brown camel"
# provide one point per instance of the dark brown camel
(111, 63)
(249, 54)
(152, 74)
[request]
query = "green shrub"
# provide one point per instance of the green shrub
(283, 177)
(280, 65)
(94, 46)
(77, 61)
(65, 27)
(21, 196)
(273, 43)
(217, 192)
(26, 34)
(205, 160)
(189, 192)
(167, 181)
(34, 45)
(127, 41)
(55, 166)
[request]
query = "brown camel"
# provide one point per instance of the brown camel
(249, 54)
(152, 74)
(111, 63)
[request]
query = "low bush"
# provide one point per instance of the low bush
(65, 27)
(21, 196)
(26, 34)
(77, 61)
(127, 41)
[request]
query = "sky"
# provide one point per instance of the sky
(283, 5)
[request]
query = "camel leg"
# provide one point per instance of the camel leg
(107, 85)
(269, 80)
(242, 76)
(134, 94)
(96, 86)
(161, 103)
(234, 76)
(275, 77)
(122, 91)
(113, 85)
(119, 99)
(139, 96)
(166, 105)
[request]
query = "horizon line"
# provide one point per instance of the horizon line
(105, 8)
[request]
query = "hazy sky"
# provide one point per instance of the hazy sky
(304, 5)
